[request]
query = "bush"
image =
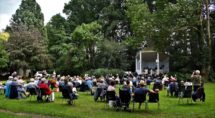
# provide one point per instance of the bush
(104, 71)
(211, 76)
(181, 76)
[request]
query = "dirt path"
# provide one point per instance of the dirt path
(22, 114)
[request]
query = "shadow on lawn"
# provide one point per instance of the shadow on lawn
(190, 104)
(136, 111)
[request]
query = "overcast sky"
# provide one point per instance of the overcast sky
(49, 8)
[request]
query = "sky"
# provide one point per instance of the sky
(49, 8)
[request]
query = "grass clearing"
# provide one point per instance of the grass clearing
(85, 107)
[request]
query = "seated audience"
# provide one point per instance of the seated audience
(43, 85)
(7, 86)
(72, 91)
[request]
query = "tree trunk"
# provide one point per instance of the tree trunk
(208, 38)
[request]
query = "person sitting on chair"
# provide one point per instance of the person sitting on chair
(32, 85)
(69, 86)
(21, 90)
(127, 86)
(94, 87)
(112, 88)
(142, 89)
(44, 86)
(7, 86)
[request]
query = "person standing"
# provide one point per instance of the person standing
(197, 79)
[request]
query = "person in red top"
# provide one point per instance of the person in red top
(44, 86)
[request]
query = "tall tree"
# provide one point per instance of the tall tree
(27, 49)
(83, 11)
(115, 23)
(86, 37)
(29, 13)
(174, 28)
(111, 54)
(59, 43)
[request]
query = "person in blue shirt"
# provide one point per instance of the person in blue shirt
(142, 89)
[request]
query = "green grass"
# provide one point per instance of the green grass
(85, 107)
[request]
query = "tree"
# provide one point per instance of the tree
(115, 23)
(174, 28)
(111, 54)
(59, 43)
(85, 37)
(27, 49)
(3, 54)
(29, 13)
(83, 11)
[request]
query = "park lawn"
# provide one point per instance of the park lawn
(85, 107)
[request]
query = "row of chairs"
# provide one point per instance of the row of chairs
(39, 93)
(125, 98)
(186, 92)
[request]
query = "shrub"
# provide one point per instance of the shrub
(181, 76)
(104, 71)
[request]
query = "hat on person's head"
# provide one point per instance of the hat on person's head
(43, 79)
(32, 80)
(142, 83)
(102, 80)
(197, 71)
(62, 78)
(10, 77)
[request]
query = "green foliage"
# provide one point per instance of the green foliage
(29, 13)
(85, 37)
(114, 21)
(3, 56)
(83, 11)
(111, 54)
(104, 71)
(181, 75)
(27, 49)
(173, 28)
(211, 76)
(59, 43)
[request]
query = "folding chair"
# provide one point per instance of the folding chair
(33, 92)
(42, 94)
(139, 98)
(110, 96)
(13, 92)
(125, 98)
(186, 94)
(65, 94)
(97, 93)
(153, 98)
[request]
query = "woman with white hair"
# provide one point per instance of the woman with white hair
(197, 79)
